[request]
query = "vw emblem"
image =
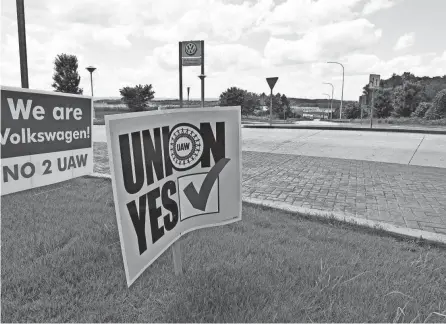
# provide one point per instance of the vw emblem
(190, 48)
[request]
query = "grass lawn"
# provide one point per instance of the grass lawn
(61, 262)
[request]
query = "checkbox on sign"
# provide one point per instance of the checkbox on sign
(202, 202)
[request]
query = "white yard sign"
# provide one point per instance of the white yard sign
(173, 172)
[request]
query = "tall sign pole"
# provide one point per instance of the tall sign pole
(271, 83)
(191, 53)
(180, 66)
(202, 74)
(22, 43)
(374, 80)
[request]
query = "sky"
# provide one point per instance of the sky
(136, 42)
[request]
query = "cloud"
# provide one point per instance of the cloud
(404, 42)
(425, 64)
(234, 56)
(213, 19)
(299, 16)
(326, 42)
(376, 5)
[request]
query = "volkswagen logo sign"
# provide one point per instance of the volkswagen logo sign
(190, 49)
(185, 146)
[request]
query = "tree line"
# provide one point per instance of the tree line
(251, 102)
(404, 96)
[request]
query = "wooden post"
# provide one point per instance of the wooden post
(177, 258)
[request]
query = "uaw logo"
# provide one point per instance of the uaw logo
(190, 49)
(185, 146)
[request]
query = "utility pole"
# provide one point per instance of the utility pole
(332, 91)
(342, 93)
(326, 94)
(22, 43)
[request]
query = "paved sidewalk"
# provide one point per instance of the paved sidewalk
(402, 195)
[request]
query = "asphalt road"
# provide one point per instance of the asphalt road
(402, 148)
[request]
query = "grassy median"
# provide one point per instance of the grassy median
(61, 262)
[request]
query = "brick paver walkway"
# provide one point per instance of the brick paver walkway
(410, 196)
(403, 195)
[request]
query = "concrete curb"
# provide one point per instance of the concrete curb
(343, 217)
(390, 130)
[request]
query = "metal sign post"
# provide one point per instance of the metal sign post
(22, 43)
(271, 83)
(180, 65)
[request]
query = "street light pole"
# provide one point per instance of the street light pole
(328, 99)
(342, 93)
(202, 76)
(91, 70)
(332, 91)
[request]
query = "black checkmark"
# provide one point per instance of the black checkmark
(199, 200)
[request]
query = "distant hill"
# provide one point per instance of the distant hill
(297, 102)
(322, 103)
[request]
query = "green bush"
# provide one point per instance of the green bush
(421, 109)
(439, 104)
(431, 114)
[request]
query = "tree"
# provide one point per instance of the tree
(406, 98)
(398, 101)
(251, 102)
(285, 108)
(277, 103)
(232, 97)
(438, 109)
(421, 110)
(66, 78)
(382, 103)
(137, 98)
(248, 101)
(351, 110)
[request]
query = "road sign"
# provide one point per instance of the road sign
(173, 171)
(374, 80)
(191, 53)
(272, 82)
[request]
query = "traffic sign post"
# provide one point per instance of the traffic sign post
(374, 80)
(271, 83)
